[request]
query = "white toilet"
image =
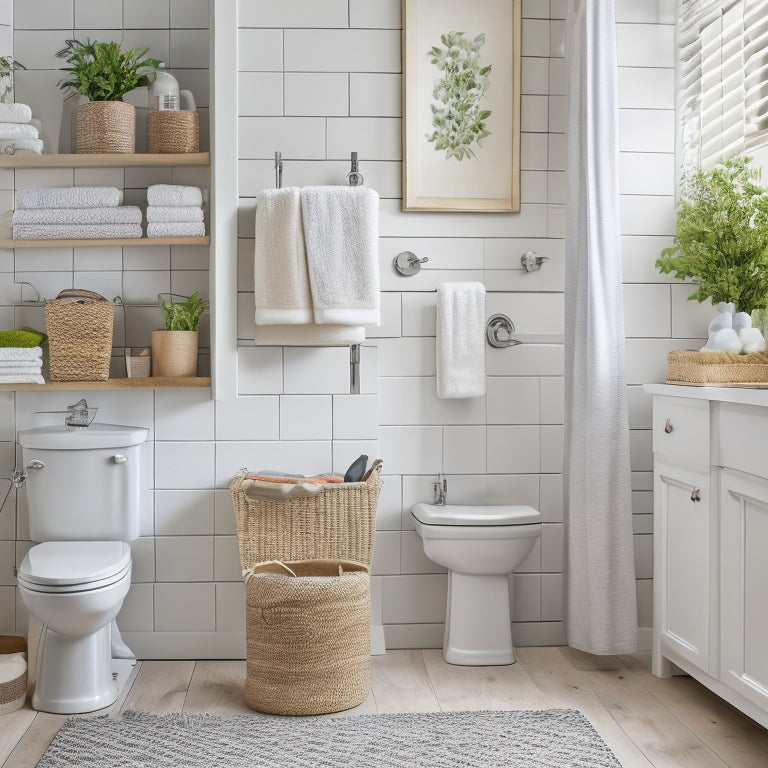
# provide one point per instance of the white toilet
(480, 546)
(83, 490)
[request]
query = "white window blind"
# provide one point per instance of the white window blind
(722, 79)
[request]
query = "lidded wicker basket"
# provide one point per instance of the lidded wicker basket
(173, 131)
(79, 324)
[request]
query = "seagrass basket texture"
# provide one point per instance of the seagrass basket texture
(307, 636)
(79, 324)
(337, 523)
(717, 368)
(173, 131)
(13, 693)
(105, 127)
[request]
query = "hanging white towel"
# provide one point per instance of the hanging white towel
(309, 335)
(182, 229)
(173, 213)
(460, 340)
(69, 197)
(173, 194)
(341, 234)
(20, 353)
(76, 231)
(15, 113)
(282, 294)
(108, 214)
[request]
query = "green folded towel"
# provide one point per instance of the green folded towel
(22, 337)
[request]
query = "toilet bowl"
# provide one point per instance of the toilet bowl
(480, 546)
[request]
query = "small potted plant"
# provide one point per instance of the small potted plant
(174, 350)
(8, 65)
(105, 73)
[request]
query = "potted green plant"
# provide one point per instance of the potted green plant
(174, 350)
(104, 73)
(8, 65)
(721, 239)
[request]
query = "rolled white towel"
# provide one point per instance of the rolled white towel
(17, 131)
(22, 379)
(15, 113)
(107, 214)
(20, 353)
(69, 197)
(76, 231)
(173, 214)
(169, 229)
(174, 195)
(21, 145)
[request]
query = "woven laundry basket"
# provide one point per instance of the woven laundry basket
(339, 522)
(173, 131)
(717, 368)
(105, 127)
(79, 325)
(13, 692)
(307, 636)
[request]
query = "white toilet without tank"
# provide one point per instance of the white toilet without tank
(83, 492)
(480, 546)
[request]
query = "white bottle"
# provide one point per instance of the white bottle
(164, 91)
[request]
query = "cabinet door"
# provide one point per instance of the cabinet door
(682, 563)
(744, 585)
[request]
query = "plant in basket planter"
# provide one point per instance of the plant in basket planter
(105, 73)
(721, 245)
(174, 350)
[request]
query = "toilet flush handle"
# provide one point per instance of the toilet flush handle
(35, 464)
(118, 458)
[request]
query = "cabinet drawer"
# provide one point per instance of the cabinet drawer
(681, 428)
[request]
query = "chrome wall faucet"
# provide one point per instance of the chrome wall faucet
(441, 490)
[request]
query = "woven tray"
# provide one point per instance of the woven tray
(717, 368)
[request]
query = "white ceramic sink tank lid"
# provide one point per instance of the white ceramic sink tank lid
(74, 438)
(467, 514)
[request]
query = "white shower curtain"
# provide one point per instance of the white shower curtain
(601, 604)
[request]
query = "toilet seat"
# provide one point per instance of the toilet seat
(434, 514)
(74, 566)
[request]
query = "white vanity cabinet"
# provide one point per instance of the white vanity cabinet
(710, 450)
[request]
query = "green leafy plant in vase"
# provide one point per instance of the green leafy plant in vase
(8, 65)
(105, 73)
(174, 349)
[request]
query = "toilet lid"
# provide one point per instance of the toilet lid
(63, 563)
(434, 514)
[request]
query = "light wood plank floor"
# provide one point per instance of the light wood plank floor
(646, 721)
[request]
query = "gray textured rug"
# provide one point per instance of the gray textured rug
(554, 738)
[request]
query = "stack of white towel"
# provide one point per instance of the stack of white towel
(21, 365)
(81, 213)
(19, 133)
(174, 211)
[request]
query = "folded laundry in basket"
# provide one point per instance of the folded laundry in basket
(259, 489)
(296, 479)
(105, 214)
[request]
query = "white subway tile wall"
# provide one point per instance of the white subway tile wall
(316, 92)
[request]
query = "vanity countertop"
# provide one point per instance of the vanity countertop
(754, 395)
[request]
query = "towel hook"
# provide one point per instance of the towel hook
(278, 170)
(499, 330)
(354, 177)
(408, 263)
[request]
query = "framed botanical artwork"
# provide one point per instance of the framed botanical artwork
(461, 105)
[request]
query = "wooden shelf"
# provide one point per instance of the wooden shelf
(119, 160)
(154, 382)
(8, 242)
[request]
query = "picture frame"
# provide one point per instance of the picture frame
(461, 123)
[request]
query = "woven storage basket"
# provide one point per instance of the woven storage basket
(307, 636)
(79, 326)
(107, 127)
(173, 131)
(339, 522)
(717, 368)
(13, 693)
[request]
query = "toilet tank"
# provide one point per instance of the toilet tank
(83, 483)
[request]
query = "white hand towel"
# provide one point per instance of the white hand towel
(15, 113)
(308, 335)
(21, 145)
(69, 197)
(282, 293)
(17, 131)
(20, 370)
(460, 340)
(22, 379)
(76, 231)
(174, 213)
(20, 353)
(108, 214)
(29, 366)
(173, 195)
(341, 234)
(184, 229)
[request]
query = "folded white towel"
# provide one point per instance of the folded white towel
(460, 340)
(15, 113)
(17, 131)
(29, 366)
(184, 229)
(173, 213)
(308, 335)
(341, 234)
(107, 214)
(21, 145)
(282, 295)
(20, 353)
(69, 197)
(22, 379)
(20, 370)
(76, 231)
(174, 195)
